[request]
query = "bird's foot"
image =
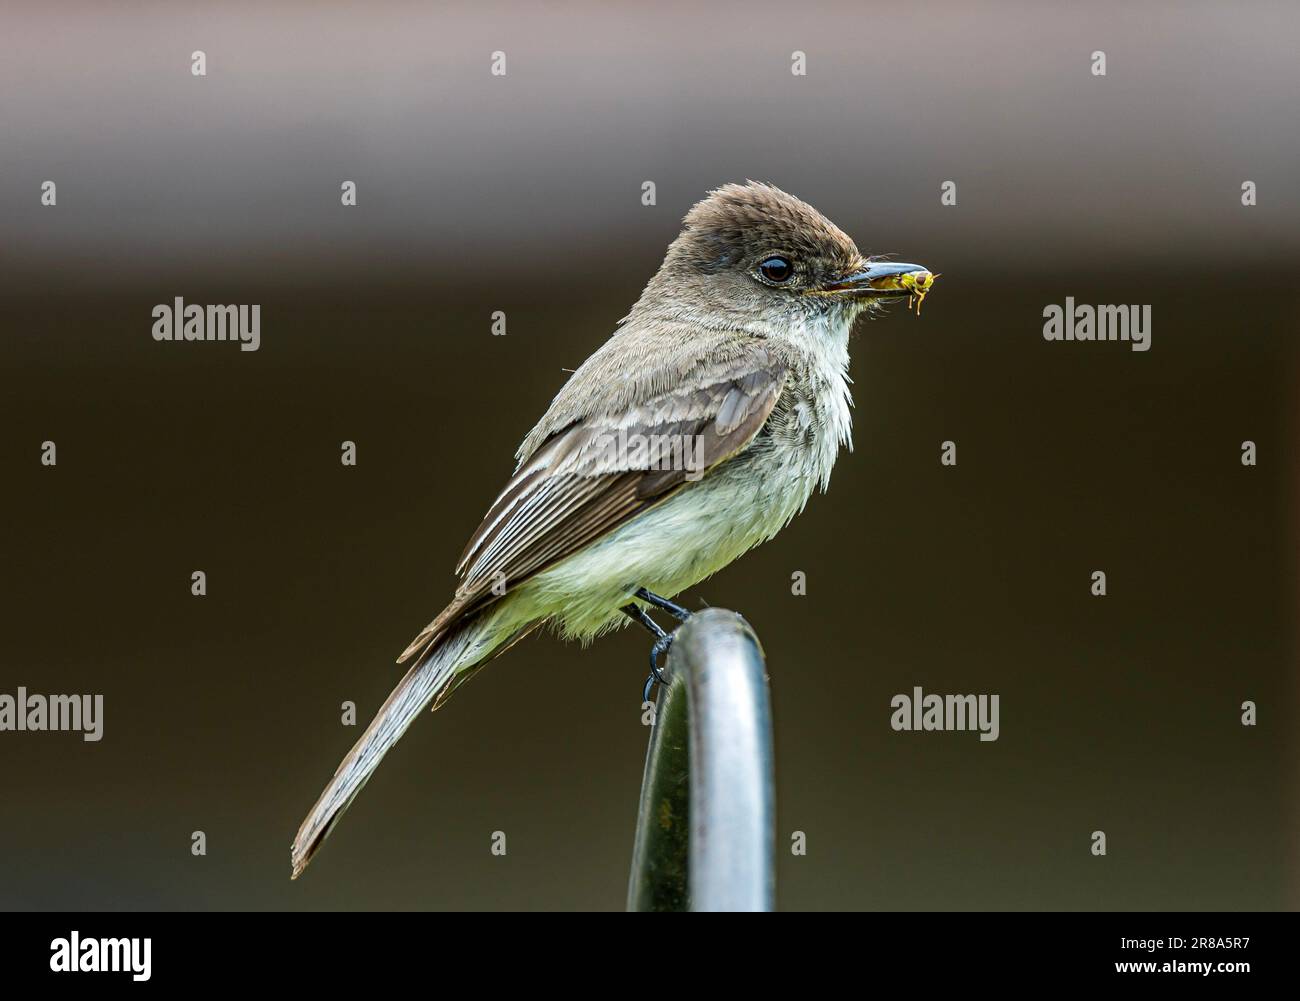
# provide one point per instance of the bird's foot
(663, 640)
(661, 647)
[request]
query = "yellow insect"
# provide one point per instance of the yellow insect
(916, 284)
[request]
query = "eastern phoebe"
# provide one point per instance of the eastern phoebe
(730, 375)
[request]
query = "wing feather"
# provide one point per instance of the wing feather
(573, 488)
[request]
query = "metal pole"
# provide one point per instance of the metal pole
(705, 838)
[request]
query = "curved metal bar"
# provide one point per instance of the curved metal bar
(705, 838)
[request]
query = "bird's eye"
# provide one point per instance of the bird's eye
(776, 270)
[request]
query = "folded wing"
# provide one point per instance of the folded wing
(603, 469)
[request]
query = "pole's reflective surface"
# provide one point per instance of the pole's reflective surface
(705, 836)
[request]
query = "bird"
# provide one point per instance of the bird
(733, 367)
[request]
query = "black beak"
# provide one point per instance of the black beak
(884, 278)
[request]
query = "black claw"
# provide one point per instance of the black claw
(661, 647)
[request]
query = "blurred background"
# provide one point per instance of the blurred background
(522, 193)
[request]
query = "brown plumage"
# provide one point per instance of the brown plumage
(563, 495)
(715, 352)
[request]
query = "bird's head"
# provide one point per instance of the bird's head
(752, 255)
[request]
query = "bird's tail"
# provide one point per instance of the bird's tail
(439, 670)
